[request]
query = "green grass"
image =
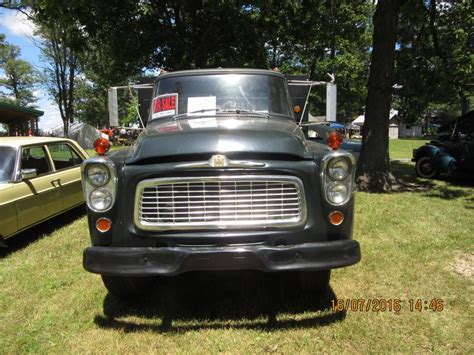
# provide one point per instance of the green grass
(403, 148)
(412, 244)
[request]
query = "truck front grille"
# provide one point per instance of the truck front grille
(219, 202)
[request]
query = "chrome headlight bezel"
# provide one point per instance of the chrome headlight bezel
(329, 182)
(109, 187)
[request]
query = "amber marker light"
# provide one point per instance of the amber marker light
(103, 224)
(101, 146)
(297, 109)
(334, 140)
(336, 218)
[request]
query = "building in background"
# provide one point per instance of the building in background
(396, 127)
(21, 121)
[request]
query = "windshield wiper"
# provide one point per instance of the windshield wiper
(248, 112)
(218, 110)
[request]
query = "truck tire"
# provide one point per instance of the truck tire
(316, 282)
(424, 168)
(125, 287)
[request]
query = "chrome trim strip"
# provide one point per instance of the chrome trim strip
(111, 186)
(297, 220)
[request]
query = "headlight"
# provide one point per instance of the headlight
(337, 193)
(100, 200)
(98, 174)
(339, 168)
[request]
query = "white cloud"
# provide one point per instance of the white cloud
(18, 24)
(51, 118)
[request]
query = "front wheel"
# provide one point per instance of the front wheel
(316, 282)
(424, 168)
(126, 287)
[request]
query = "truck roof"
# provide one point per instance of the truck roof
(221, 71)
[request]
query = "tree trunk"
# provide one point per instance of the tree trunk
(373, 172)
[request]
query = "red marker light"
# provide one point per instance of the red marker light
(335, 140)
(336, 218)
(103, 225)
(101, 146)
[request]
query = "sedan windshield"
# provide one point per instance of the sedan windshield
(7, 163)
(212, 93)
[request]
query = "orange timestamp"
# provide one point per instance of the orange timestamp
(395, 305)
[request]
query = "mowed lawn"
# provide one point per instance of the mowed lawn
(416, 244)
(403, 148)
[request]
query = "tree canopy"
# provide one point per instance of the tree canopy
(19, 77)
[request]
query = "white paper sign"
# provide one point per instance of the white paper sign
(200, 106)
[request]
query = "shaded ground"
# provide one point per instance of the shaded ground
(219, 299)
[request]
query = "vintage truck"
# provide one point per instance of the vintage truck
(222, 178)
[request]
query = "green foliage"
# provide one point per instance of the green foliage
(333, 37)
(131, 115)
(435, 61)
(116, 40)
(91, 103)
(19, 76)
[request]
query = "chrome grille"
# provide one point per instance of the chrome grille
(219, 202)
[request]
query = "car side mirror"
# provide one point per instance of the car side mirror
(28, 174)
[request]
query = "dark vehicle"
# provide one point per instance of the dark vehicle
(452, 152)
(221, 179)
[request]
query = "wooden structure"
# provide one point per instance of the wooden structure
(21, 121)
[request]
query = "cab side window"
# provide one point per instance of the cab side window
(35, 158)
(63, 156)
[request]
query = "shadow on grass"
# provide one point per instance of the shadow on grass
(30, 235)
(470, 203)
(409, 182)
(219, 300)
(407, 179)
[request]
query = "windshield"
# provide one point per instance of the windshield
(7, 163)
(211, 93)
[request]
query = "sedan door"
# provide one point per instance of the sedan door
(67, 163)
(37, 198)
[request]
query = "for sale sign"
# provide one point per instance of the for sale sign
(165, 106)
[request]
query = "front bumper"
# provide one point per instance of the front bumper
(120, 261)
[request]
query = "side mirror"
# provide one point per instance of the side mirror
(28, 174)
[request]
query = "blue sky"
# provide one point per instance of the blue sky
(19, 31)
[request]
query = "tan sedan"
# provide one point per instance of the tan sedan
(40, 177)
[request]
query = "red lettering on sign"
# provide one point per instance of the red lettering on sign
(157, 107)
(166, 103)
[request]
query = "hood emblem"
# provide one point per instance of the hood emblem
(221, 161)
(218, 161)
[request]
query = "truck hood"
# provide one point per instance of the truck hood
(211, 135)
